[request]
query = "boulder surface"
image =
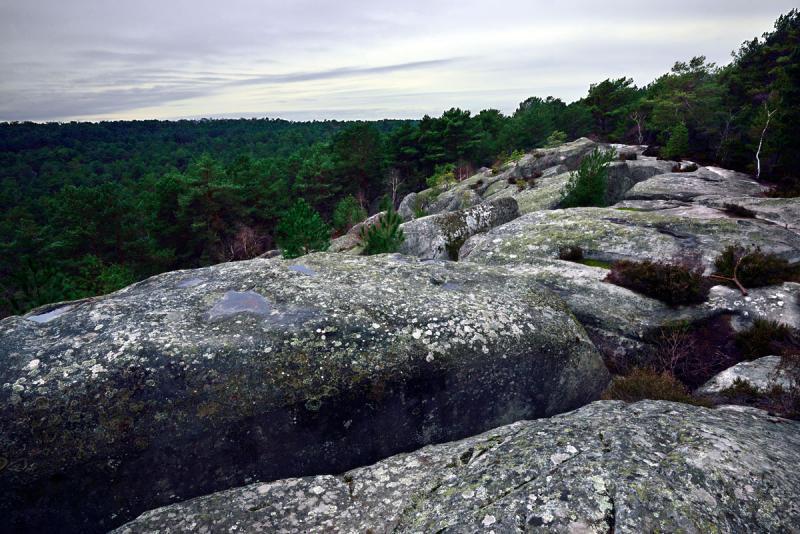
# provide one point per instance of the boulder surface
(196, 381)
(607, 467)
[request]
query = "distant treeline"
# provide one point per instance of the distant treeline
(89, 208)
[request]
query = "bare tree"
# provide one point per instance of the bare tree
(761, 141)
(638, 117)
(394, 180)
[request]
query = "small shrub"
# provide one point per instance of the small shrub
(587, 185)
(736, 210)
(383, 236)
(643, 384)
(444, 176)
(694, 352)
(672, 284)
(765, 338)
(301, 231)
(504, 160)
(348, 212)
(477, 185)
(556, 138)
(570, 253)
(748, 268)
(678, 143)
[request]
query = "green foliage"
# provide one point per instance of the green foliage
(383, 236)
(556, 138)
(642, 384)
(347, 213)
(754, 268)
(587, 186)
(672, 284)
(608, 102)
(443, 177)
(678, 144)
(301, 231)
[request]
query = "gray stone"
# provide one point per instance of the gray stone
(694, 233)
(407, 205)
(619, 321)
(441, 236)
(776, 303)
(705, 182)
(762, 374)
(783, 212)
(160, 392)
(351, 241)
(607, 467)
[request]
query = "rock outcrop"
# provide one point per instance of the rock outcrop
(762, 375)
(608, 467)
(440, 236)
(696, 233)
(195, 381)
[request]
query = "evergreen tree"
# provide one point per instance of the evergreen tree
(383, 236)
(678, 144)
(302, 231)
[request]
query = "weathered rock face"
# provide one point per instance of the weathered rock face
(441, 236)
(487, 186)
(781, 211)
(610, 234)
(196, 381)
(762, 374)
(608, 467)
(351, 241)
(705, 182)
(776, 303)
(620, 322)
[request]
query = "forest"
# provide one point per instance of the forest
(88, 208)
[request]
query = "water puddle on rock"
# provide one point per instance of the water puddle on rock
(190, 282)
(52, 314)
(303, 270)
(250, 302)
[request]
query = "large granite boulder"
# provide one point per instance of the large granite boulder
(619, 321)
(704, 182)
(486, 185)
(762, 374)
(196, 381)
(608, 467)
(695, 233)
(440, 236)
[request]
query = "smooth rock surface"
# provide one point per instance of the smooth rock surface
(705, 182)
(608, 467)
(763, 374)
(195, 381)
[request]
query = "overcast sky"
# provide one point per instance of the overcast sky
(346, 59)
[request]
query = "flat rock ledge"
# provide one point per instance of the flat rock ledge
(652, 466)
(197, 381)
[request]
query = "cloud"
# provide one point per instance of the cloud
(95, 59)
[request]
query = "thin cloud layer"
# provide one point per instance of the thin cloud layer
(94, 59)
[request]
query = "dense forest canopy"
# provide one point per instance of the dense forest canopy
(89, 208)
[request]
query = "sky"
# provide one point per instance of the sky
(64, 60)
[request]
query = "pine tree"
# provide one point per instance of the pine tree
(678, 144)
(301, 231)
(384, 236)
